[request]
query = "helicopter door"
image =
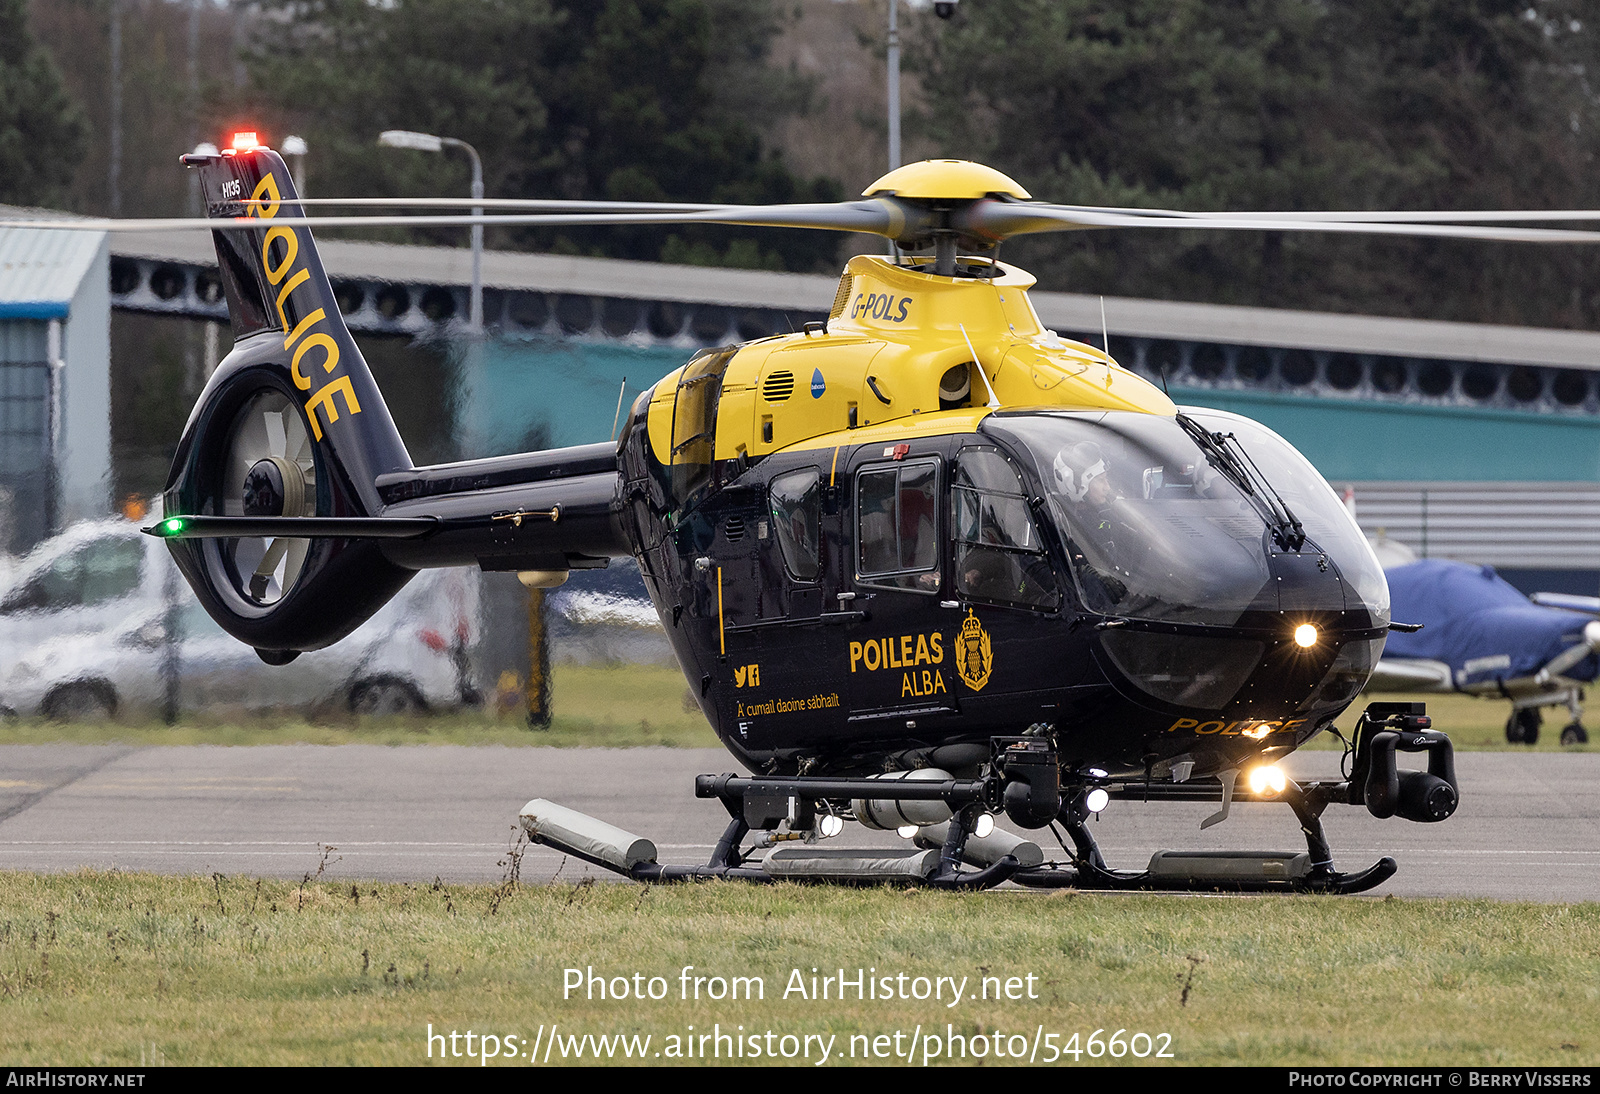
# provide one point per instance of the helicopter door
(782, 687)
(795, 544)
(899, 658)
(1008, 660)
(999, 556)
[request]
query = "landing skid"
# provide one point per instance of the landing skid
(945, 849)
(1309, 871)
(1145, 881)
(790, 815)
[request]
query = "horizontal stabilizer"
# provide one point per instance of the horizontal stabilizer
(203, 527)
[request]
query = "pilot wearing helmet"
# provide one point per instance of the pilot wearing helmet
(1081, 478)
(1080, 474)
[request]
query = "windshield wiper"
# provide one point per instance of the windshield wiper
(1225, 453)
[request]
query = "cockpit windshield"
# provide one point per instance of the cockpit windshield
(1156, 529)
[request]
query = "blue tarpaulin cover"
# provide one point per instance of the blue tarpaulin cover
(1478, 623)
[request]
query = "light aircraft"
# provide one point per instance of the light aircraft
(1483, 637)
(922, 564)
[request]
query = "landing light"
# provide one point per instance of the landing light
(1096, 800)
(906, 831)
(830, 826)
(983, 825)
(1305, 636)
(1268, 779)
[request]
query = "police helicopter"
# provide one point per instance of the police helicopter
(923, 564)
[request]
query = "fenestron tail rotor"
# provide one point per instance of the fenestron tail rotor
(282, 453)
(269, 472)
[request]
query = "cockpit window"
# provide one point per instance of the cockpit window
(1327, 521)
(1155, 531)
(897, 519)
(998, 554)
(1152, 530)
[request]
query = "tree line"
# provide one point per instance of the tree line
(1228, 105)
(1287, 104)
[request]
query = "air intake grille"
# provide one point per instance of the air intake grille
(778, 386)
(842, 297)
(735, 529)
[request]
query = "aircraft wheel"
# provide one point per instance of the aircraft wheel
(1522, 728)
(85, 701)
(1575, 734)
(386, 695)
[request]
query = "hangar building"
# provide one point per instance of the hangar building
(55, 382)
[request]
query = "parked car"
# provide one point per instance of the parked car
(93, 626)
(88, 578)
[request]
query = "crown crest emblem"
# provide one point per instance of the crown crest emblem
(973, 653)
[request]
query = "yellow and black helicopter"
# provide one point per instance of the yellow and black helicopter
(922, 564)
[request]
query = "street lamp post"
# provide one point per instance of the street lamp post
(427, 142)
(894, 85)
(296, 147)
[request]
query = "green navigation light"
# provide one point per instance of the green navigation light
(173, 527)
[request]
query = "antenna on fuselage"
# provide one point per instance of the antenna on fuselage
(617, 417)
(994, 400)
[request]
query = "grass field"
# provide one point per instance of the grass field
(594, 706)
(619, 706)
(117, 969)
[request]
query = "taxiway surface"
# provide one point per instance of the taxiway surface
(1528, 827)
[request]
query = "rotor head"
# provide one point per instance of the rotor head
(941, 181)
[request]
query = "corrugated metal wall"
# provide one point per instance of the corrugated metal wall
(1517, 525)
(24, 341)
(24, 432)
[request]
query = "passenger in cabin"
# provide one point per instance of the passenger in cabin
(989, 574)
(898, 527)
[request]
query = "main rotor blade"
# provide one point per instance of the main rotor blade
(876, 216)
(894, 219)
(552, 204)
(1367, 216)
(1000, 220)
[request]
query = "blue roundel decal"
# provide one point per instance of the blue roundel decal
(817, 385)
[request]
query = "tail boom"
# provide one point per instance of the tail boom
(309, 513)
